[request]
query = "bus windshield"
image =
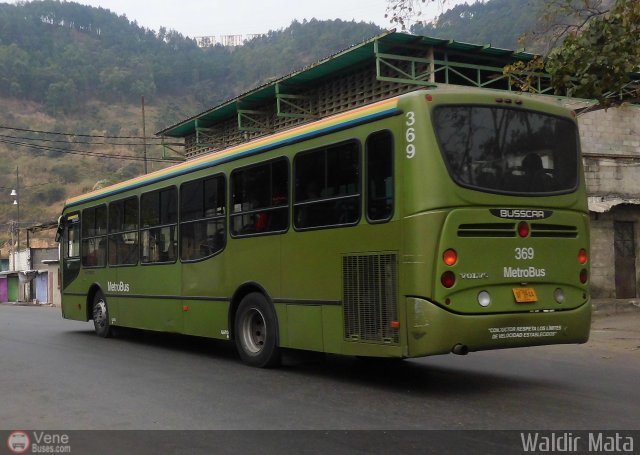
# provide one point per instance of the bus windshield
(503, 150)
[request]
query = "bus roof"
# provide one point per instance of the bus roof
(327, 125)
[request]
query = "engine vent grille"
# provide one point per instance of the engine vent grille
(509, 230)
(487, 230)
(553, 230)
(370, 284)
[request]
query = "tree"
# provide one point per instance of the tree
(61, 97)
(14, 69)
(598, 57)
(404, 12)
(593, 51)
(485, 23)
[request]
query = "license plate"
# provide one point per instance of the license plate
(525, 295)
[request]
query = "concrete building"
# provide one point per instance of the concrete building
(32, 277)
(611, 151)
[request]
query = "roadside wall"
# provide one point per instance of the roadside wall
(611, 148)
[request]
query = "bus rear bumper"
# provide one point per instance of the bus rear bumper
(434, 330)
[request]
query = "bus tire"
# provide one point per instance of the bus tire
(256, 332)
(101, 316)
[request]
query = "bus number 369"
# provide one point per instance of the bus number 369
(523, 254)
(410, 134)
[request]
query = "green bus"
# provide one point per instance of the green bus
(437, 221)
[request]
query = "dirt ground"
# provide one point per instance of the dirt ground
(618, 331)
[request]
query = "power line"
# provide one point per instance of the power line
(80, 152)
(72, 142)
(29, 186)
(59, 133)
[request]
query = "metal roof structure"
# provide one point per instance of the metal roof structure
(378, 68)
(354, 56)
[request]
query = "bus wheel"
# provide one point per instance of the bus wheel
(256, 332)
(101, 316)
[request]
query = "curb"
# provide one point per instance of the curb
(27, 304)
(606, 307)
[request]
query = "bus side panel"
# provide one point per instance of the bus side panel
(75, 301)
(314, 284)
(206, 306)
(332, 317)
(254, 263)
(310, 281)
(74, 307)
(205, 318)
(311, 264)
(304, 327)
(420, 252)
(149, 298)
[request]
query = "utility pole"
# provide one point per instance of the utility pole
(13, 245)
(144, 137)
(16, 193)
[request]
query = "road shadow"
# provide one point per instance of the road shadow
(416, 377)
(174, 342)
(426, 376)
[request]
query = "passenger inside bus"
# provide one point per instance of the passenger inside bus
(261, 221)
(309, 214)
(535, 177)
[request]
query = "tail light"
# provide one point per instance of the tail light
(450, 257)
(523, 229)
(448, 279)
(584, 276)
(582, 256)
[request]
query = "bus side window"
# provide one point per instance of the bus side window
(159, 219)
(379, 176)
(72, 237)
(94, 236)
(70, 266)
(123, 232)
(259, 198)
(327, 188)
(202, 218)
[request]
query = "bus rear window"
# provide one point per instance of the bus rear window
(504, 150)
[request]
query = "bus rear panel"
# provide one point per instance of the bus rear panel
(496, 229)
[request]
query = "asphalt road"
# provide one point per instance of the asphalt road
(57, 375)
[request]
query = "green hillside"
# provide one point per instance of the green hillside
(80, 72)
(496, 22)
(70, 68)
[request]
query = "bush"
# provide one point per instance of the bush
(49, 195)
(67, 173)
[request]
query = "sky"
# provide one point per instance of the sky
(244, 17)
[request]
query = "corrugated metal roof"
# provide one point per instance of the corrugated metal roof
(603, 204)
(348, 58)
